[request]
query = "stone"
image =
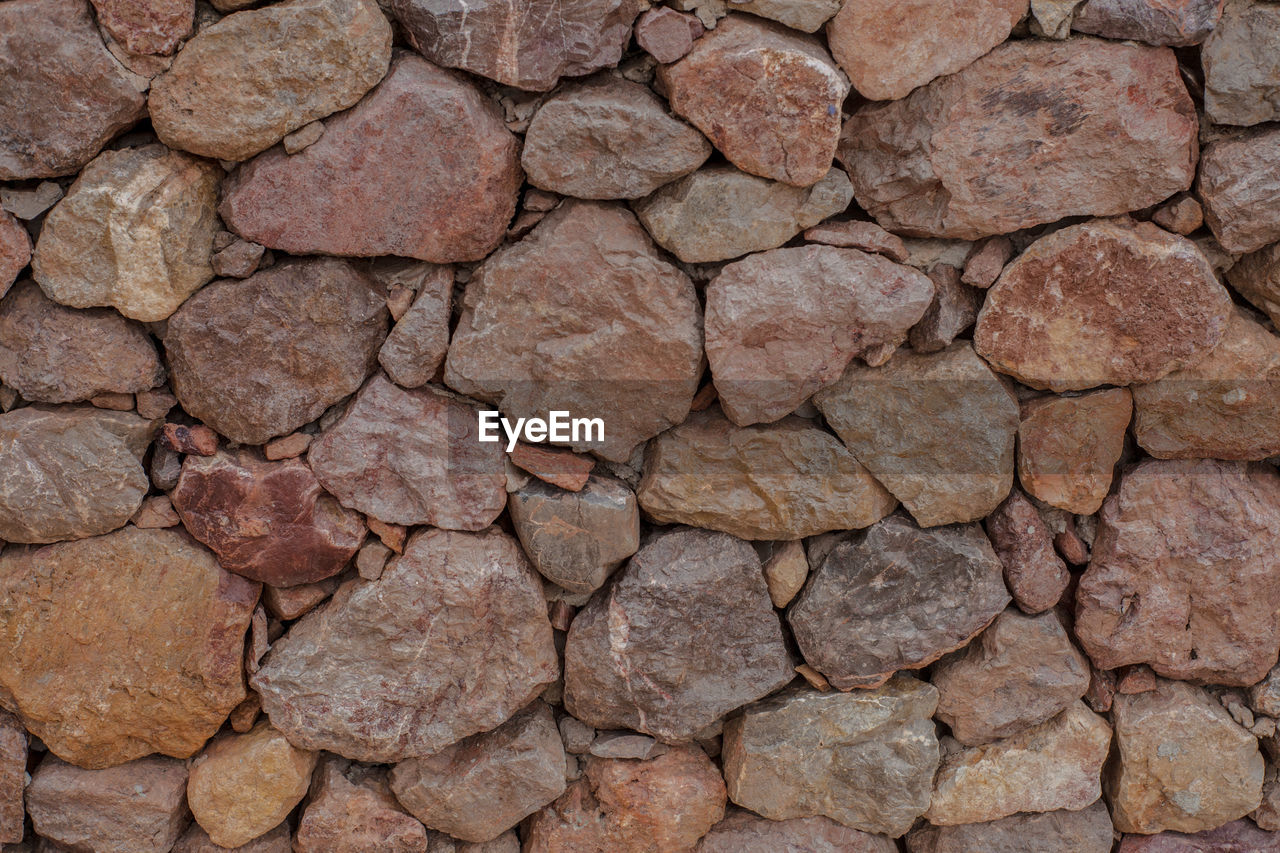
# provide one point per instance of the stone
(352, 810)
(1256, 277)
(1136, 679)
(303, 138)
(923, 593)
(258, 358)
(154, 404)
(1085, 831)
(1183, 215)
(786, 569)
(482, 786)
(240, 259)
(146, 26)
(1034, 573)
(27, 203)
(1107, 302)
(452, 640)
(138, 807)
(15, 250)
(1055, 765)
(196, 840)
(114, 401)
(985, 263)
(1018, 673)
(784, 480)
(1069, 446)
(864, 759)
(1241, 66)
(1179, 23)
(954, 463)
(134, 232)
(954, 308)
(419, 341)
(70, 472)
(718, 212)
(804, 15)
(54, 354)
(421, 167)
(156, 512)
(552, 323)
(1183, 762)
(1267, 815)
(552, 465)
(291, 602)
(767, 97)
(188, 439)
(244, 83)
(743, 831)
(853, 234)
(887, 53)
(685, 635)
(666, 34)
(243, 785)
(1238, 836)
(663, 805)
(66, 97)
(1224, 407)
(289, 447)
(411, 457)
(1184, 574)
(626, 745)
(372, 559)
(965, 156)
(783, 324)
(13, 772)
(1264, 697)
(1240, 193)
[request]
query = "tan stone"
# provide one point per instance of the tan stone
(1069, 446)
(786, 568)
(1242, 66)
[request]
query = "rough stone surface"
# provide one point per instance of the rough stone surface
(552, 323)
(686, 634)
(786, 568)
(718, 213)
(451, 640)
(15, 250)
(1240, 190)
(784, 480)
(742, 831)
(953, 310)
(1184, 574)
(855, 234)
(923, 593)
(352, 810)
(411, 457)
(65, 95)
(422, 167)
(562, 468)
(1163, 22)
(1085, 831)
(135, 232)
(196, 840)
(1102, 303)
(865, 759)
(1238, 836)
(418, 342)
(1183, 763)
(259, 358)
(804, 15)
(1256, 277)
(1069, 446)
(783, 324)
(936, 429)
(1034, 573)
(965, 156)
(482, 786)
(146, 26)
(1242, 66)
(666, 34)
(13, 770)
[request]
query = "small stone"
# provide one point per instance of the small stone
(1136, 679)
(852, 234)
(718, 212)
(1085, 831)
(114, 401)
(166, 467)
(864, 759)
(1036, 577)
(482, 786)
(954, 308)
(139, 807)
(196, 840)
(1264, 697)
(1055, 765)
(1257, 278)
(13, 771)
(1183, 763)
(1241, 65)
(259, 358)
(577, 735)
(666, 34)
(304, 137)
(114, 239)
(1018, 673)
(151, 27)
(155, 513)
(784, 480)
(804, 15)
(1179, 24)
(954, 462)
(730, 86)
(291, 602)
(419, 341)
(29, 203)
(626, 745)
(244, 785)
(391, 535)
(1238, 836)
(1182, 215)
(785, 571)
(552, 465)
(245, 715)
(1069, 446)
(289, 447)
(1267, 815)
(465, 608)
(15, 250)
(923, 593)
(1052, 18)
(372, 559)
(352, 810)
(1102, 689)
(244, 83)
(986, 261)
(239, 259)
(1185, 574)
(743, 831)
(155, 404)
(684, 636)
(193, 439)
(1242, 211)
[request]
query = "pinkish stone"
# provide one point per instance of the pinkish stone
(15, 250)
(1241, 198)
(852, 234)
(1069, 446)
(146, 26)
(13, 773)
(1034, 573)
(1172, 22)
(666, 34)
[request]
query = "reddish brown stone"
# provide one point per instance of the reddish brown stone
(1169, 22)
(1256, 277)
(562, 468)
(1136, 679)
(1084, 831)
(1182, 216)
(1238, 836)
(292, 602)
(146, 26)
(986, 262)
(954, 308)
(1102, 689)
(852, 234)
(1241, 64)
(1242, 211)
(155, 404)
(422, 167)
(1032, 570)
(15, 250)
(116, 402)
(193, 439)
(156, 512)
(288, 447)
(352, 810)
(239, 259)
(1071, 547)
(666, 34)
(196, 840)
(13, 772)
(742, 831)
(419, 341)
(1068, 446)
(391, 535)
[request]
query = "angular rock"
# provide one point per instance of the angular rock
(936, 429)
(352, 810)
(666, 34)
(1240, 191)
(259, 358)
(291, 602)
(15, 250)
(552, 323)
(1179, 23)
(742, 831)
(1069, 446)
(626, 745)
(243, 785)
(422, 167)
(13, 771)
(663, 805)
(196, 840)
(1182, 215)
(1264, 697)
(552, 465)
(1018, 673)
(156, 511)
(784, 480)
(135, 232)
(1256, 277)
(986, 261)
(192, 440)
(804, 15)
(1084, 831)
(1238, 836)
(954, 308)
(27, 203)
(887, 54)
(289, 447)
(1185, 574)
(1183, 763)
(865, 759)
(767, 97)
(139, 807)
(452, 640)
(240, 259)
(244, 83)
(1034, 573)
(146, 26)
(718, 212)
(922, 593)
(783, 324)
(419, 341)
(965, 156)
(65, 96)
(854, 234)
(1055, 765)
(786, 568)
(482, 786)
(1242, 66)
